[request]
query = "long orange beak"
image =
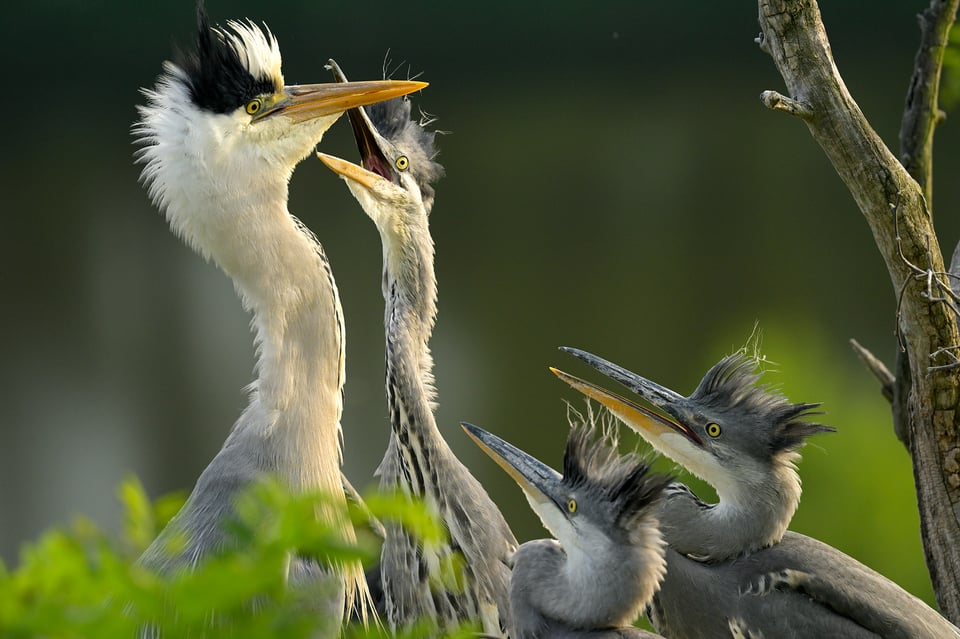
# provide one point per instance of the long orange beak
(304, 102)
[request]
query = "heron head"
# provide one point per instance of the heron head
(397, 166)
(222, 115)
(600, 495)
(730, 431)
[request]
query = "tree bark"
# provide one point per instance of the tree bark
(895, 206)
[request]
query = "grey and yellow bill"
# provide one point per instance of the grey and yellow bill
(639, 418)
(540, 482)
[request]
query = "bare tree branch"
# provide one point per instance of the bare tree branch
(921, 114)
(878, 368)
(778, 102)
(896, 209)
(922, 110)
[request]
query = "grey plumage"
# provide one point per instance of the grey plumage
(467, 579)
(732, 568)
(393, 119)
(731, 387)
(607, 560)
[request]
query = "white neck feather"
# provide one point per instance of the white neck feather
(620, 576)
(753, 512)
(222, 185)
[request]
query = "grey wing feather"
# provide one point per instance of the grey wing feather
(799, 588)
(704, 601)
(562, 632)
(199, 525)
(826, 575)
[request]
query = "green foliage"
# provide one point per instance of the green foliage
(79, 582)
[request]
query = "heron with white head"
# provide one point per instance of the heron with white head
(732, 567)
(394, 185)
(219, 138)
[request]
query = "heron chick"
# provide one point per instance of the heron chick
(219, 138)
(732, 567)
(607, 560)
(465, 580)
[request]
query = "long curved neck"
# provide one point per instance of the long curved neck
(409, 292)
(749, 515)
(419, 461)
(284, 278)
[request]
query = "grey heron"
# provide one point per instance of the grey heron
(219, 138)
(394, 188)
(732, 567)
(607, 560)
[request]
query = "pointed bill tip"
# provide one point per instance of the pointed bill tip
(304, 102)
(644, 421)
(349, 170)
(470, 429)
(334, 68)
(535, 478)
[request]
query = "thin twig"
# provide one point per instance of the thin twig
(878, 368)
(780, 102)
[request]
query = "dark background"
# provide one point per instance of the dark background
(613, 183)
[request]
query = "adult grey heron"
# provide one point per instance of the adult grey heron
(732, 567)
(394, 188)
(607, 560)
(219, 138)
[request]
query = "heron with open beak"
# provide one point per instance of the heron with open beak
(393, 183)
(732, 567)
(606, 561)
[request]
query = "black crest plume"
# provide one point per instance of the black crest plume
(216, 75)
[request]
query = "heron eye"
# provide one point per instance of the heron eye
(713, 429)
(402, 163)
(253, 106)
(572, 505)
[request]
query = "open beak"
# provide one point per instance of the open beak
(540, 482)
(646, 422)
(373, 163)
(304, 102)
(349, 170)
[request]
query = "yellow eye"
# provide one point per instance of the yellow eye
(713, 429)
(402, 163)
(253, 106)
(572, 505)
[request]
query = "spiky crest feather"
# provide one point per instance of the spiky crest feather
(733, 384)
(595, 462)
(393, 121)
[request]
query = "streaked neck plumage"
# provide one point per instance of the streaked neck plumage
(410, 293)
(418, 459)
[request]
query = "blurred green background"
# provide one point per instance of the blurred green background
(613, 183)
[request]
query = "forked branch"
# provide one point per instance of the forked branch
(896, 206)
